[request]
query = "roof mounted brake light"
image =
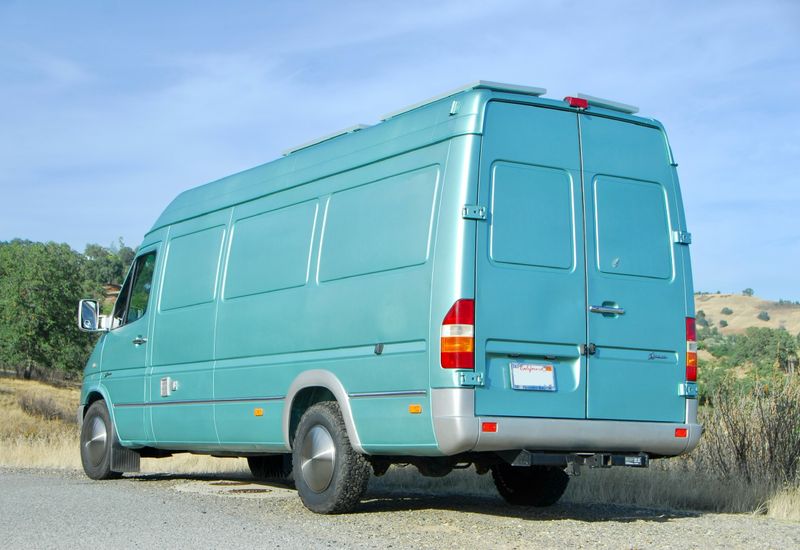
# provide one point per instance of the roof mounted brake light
(577, 102)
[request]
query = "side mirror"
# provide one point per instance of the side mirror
(89, 319)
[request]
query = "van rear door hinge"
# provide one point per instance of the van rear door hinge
(682, 237)
(473, 212)
(688, 390)
(588, 349)
(470, 379)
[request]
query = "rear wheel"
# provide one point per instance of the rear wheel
(531, 485)
(97, 437)
(271, 467)
(330, 476)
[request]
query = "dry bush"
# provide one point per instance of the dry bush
(43, 405)
(753, 436)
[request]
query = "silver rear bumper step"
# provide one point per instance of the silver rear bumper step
(459, 430)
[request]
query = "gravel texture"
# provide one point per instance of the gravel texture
(64, 509)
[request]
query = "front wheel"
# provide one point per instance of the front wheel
(531, 485)
(97, 437)
(330, 476)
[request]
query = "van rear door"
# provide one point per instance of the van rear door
(530, 306)
(579, 301)
(631, 207)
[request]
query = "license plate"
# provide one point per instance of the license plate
(529, 376)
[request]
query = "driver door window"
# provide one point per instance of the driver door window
(135, 294)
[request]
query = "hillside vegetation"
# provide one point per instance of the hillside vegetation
(746, 344)
(740, 312)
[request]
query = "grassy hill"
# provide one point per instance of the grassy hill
(742, 312)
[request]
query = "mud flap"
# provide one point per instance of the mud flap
(124, 459)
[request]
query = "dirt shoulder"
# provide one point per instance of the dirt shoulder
(64, 509)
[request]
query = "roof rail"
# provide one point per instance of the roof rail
(326, 137)
(608, 104)
(498, 86)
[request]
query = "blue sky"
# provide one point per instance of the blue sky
(110, 109)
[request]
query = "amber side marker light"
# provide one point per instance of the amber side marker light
(258, 411)
(415, 409)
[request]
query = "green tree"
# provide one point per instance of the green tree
(748, 292)
(765, 348)
(40, 285)
(108, 264)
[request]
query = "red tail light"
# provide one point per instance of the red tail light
(577, 102)
(691, 350)
(458, 336)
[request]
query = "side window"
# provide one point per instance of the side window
(190, 276)
(531, 221)
(632, 228)
(379, 226)
(135, 294)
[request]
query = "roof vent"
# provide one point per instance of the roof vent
(478, 84)
(326, 137)
(608, 104)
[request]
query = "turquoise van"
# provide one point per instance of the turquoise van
(490, 277)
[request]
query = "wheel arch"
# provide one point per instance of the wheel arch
(99, 393)
(311, 387)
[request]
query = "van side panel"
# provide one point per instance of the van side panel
(343, 266)
(183, 340)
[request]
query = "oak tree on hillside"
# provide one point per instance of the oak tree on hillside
(40, 285)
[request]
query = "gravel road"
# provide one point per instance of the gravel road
(56, 509)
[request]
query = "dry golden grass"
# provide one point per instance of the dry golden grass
(666, 484)
(48, 441)
(785, 504)
(45, 440)
(39, 430)
(745, 312)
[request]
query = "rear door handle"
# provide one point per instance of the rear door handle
(139, 340)
(607, 310)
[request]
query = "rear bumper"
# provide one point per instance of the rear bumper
(458, 430)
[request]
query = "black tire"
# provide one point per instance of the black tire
(271, 467)
(330, 476)
(97, 438)
(531, 485)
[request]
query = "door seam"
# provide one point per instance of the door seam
(585, 264)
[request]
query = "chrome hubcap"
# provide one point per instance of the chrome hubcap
(96, 444)
(317, 457)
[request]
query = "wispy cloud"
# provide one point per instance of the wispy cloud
(108, 112)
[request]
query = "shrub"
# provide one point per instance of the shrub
(753, 435)
(764, 316)
(726, 311)
(44, 406)
(723, 323)
(748, 292)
